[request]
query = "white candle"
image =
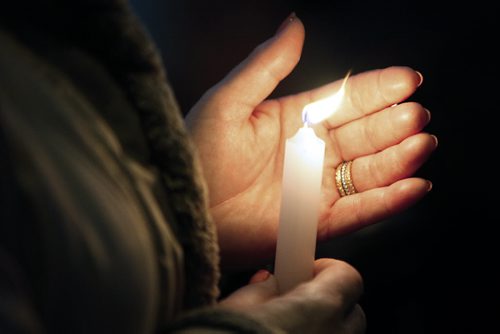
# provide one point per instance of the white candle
(301, 190)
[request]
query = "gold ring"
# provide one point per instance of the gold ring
(343, 179)
(338, 181)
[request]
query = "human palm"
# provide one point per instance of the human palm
(240, 138)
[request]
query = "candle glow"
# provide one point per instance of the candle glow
(318, 111)
(301, 191)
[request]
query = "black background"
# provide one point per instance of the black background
(431, 268)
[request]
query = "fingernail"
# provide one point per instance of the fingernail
(260, 276)
(436, 141)
(429, 186)
(292, 17)
(421, 78)
(428, 115)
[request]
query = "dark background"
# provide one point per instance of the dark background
(430, 269)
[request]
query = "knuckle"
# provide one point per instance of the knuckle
(375, 171)
(370, 134)
(413, 115)
(349, 278)
(350, 274)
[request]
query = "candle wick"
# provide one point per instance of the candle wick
(305, 119)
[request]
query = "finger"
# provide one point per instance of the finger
(322, 264)
(378, 131)
(259, 276)
(369, 92)
(338, 280)
(257, 76)
(393, 164)
(353, 212)
(253, 294)
(347, 278)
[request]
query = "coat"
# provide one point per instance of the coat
(104, 224)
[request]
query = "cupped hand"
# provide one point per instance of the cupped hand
(240, 139)
(326, 304)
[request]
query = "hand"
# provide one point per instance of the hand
(326, 304)
(240, 138)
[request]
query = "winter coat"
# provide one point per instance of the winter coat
(104, 226)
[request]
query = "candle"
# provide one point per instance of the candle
(300, 198)
(302, 173)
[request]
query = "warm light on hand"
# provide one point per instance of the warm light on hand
(318, 111)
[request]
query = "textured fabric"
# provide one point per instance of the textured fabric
(104, 226)
(110, 33)
(95, 258)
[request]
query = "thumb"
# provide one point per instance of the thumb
(255, 78)
(257, 292)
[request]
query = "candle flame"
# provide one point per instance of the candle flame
(320, 110)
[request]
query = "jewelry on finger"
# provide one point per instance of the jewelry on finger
(338, 181)
(348, 178)
(343, 179)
